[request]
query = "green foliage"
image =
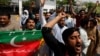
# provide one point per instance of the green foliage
(26, 3)
(90, 5)
(63, 2)
(5, 2)
(98, 10)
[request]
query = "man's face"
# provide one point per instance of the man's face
(37, 16)
(91, 25)
(82, 12)
(31, 24)
(61, 22)
(75, 43)
(47, 15)
(4, 20)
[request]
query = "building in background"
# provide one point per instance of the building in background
(13, 6)
(49, 5)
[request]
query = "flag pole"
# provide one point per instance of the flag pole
(20, 7)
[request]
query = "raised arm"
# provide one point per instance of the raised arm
(71, 7)
(42, 2)
(92, 9)
(55, 20)
(42, 18)
(49, 38)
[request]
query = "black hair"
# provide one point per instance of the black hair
(28, 20)
(98, 15)
(68, 32)
(94, 21)
(60, 8)
(25, 25)
(5, 14)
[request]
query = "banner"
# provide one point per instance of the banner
(19, 43)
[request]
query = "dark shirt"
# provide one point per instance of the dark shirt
(58, 48)
(78, 19)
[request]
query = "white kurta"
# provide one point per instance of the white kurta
(86, 41)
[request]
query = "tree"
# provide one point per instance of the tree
(63, 2)
(89, 5)
(5, 2)
(28, 2)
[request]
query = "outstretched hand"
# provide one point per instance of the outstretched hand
(91, 38)
(97, 3)
(62, 14)
(42, 2)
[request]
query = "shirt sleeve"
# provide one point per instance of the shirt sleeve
(50, 40)
(42, 18)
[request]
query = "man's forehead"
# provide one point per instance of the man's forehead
(75, 33)
(3, 16)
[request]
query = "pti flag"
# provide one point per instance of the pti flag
(19, 43)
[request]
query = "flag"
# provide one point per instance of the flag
(19, 43)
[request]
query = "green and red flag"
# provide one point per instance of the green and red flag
(19, 43)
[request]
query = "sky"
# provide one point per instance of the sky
(16, 0)
(90, 0)
(76, 0)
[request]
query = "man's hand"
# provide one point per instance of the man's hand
(70, 1)
(92, 38)
(42, 2)
(32, 4)
(62, 14)
(97, 3)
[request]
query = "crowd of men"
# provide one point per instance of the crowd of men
(64, 33)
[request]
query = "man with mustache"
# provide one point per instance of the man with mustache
(30, 24)
(71, 38)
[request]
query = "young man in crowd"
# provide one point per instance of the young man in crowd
(6, 24)
(71, 38)
(82, 13)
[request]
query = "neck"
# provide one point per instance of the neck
(78, 55)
